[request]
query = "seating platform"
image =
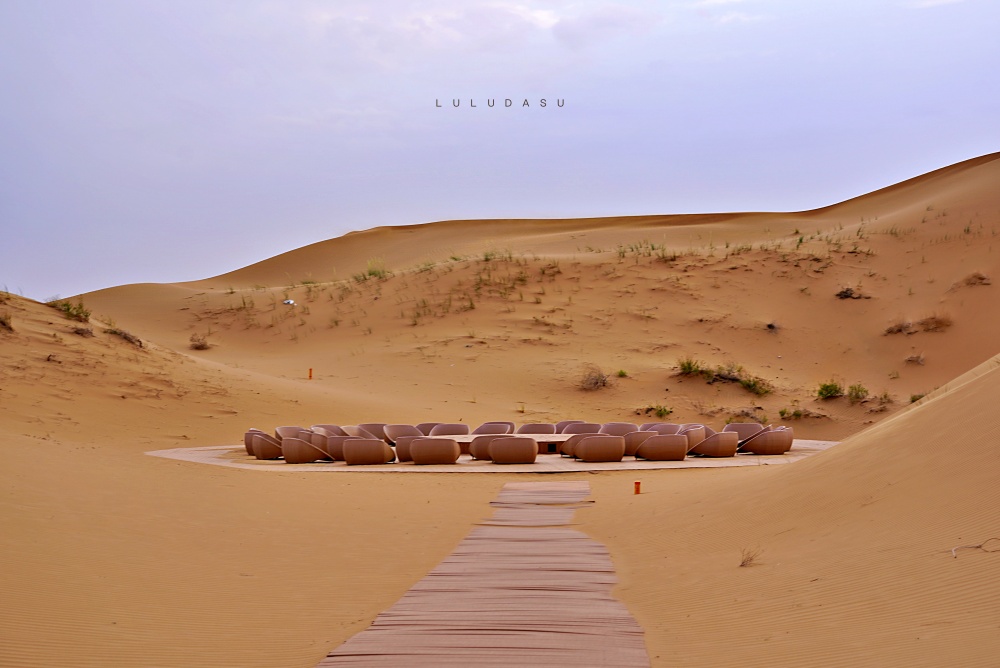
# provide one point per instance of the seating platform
(235, 456)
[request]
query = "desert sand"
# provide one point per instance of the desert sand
(113, 557)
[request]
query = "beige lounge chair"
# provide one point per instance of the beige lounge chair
(634, 439)
(618, 428)
(695, 432)
(663, 448)
(568, 447)
(513, 450)
(479, 448)
(331, 429)
(450, 429)
(286, 432)
(266, 446)
(357, 431)
(582, 428)
(561, 425)
(403, 446)
(298, 450)
(536, 428)
(434, 451)
(376, 429)
(667, 428)
(716, 444)
(425, 427)
(744, 429)
(367, 451)
(600, 448)
(248, 439)
(332, 445)
(648, 426)
(492, 428)
(774, 442)
(394, 431)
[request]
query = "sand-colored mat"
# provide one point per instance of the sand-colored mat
(520, 590)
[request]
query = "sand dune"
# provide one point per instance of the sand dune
(111, 557)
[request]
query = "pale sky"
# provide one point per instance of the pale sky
(172, 140)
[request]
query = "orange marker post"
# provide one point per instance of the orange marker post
(638, 484)
(310, 373)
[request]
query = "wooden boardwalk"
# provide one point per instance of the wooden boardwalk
(522, 589)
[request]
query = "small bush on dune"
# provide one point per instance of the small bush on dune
(688, 366)
(199, 342)
(857, 393)
(830, 390)
(125, 336)
(72, 311)
(5, 321)
(593, 379)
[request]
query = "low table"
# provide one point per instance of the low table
(549, 440)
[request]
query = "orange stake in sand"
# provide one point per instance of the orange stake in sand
(638, 484)
(310, 374)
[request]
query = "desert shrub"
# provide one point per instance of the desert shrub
(199, 342)
(593, 379)
(748, 556)
(830, 390)
(85, 332)
(125, 336)
(914, 398)
(935, 323)
(72, 311)
(688, 366)
(622, 373)
(856, 393)
(756, 385)
(791, 413)
(5, 321)
(658, 410)
(730, 373)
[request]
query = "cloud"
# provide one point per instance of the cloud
(602, 23)
(737, 17)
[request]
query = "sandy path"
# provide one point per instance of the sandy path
(520, 590)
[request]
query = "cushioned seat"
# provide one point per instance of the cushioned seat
(376, 429)
(248, 439)
(513, 450)
(773, 442)
(394, 431)
(266, 446)
(634, 439)
(367, 451)
(300, 451)
(403, 447)
(434, 451)
(537, 428)
(602, 448)
(450, 429)
(663, 448)
(719, 444)
(479, 448)
(618, 428)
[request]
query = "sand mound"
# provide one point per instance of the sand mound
(855, 562)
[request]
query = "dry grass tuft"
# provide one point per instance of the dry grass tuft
(125, 336)
(5, 321)
(594, 379)
(199, 342)
(748, 556)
